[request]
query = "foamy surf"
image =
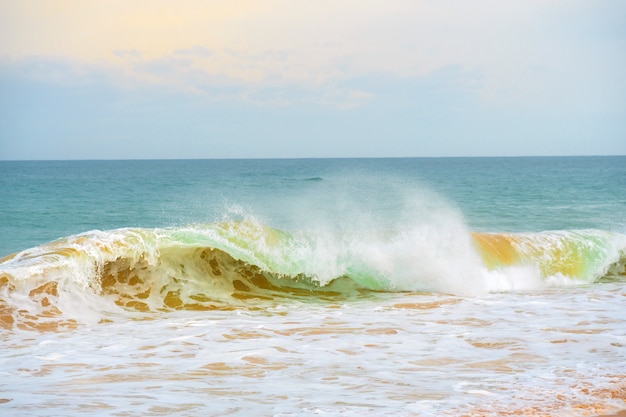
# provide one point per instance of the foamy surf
(239, 264)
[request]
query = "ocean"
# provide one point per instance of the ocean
(297, 287)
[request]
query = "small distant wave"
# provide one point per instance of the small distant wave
(247, 265)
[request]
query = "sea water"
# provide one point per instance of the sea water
(383, 287)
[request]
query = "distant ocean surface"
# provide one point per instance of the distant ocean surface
(336, 287)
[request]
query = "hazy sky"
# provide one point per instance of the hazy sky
(302, 78)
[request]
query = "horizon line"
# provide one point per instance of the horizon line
(315, 157)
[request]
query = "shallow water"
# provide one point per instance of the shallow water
(560, 352)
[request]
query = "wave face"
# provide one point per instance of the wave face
(244, 264)
(556, 257)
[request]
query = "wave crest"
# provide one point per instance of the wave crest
(243, 264)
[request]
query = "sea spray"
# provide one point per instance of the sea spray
(385, 232)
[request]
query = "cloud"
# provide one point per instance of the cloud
(558, 57)
(55, 71)
(126, 53)
(368, 116)
(311, 42)
(195, 51)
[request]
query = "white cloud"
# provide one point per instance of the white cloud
(516, 52)
(195, 51)
(126, 53)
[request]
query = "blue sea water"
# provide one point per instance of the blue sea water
(339, 287)
(46, 200)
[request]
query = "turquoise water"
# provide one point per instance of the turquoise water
(383, 287)
(46, 200)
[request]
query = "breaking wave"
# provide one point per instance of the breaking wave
(248, 265)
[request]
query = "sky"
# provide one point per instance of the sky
(294, 79)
